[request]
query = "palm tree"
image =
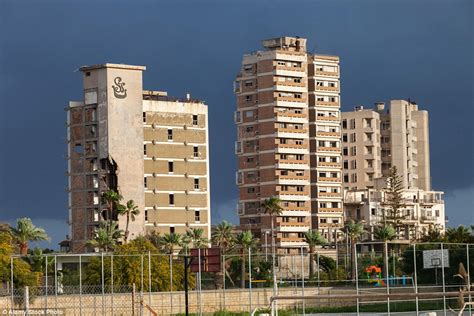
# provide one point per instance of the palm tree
(272, 207)
(313, 238)
(185, 243)
(25, 231)
(244, 241)
(106, 236)
(197, 238)
(130, 210)
(111, 199)
(224, 239)
(169, 242)
(354, 231)
(385, 233)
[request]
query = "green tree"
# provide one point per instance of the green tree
(197, 237)
(385, 233)
(223, 238)
(169, 242)
(130, 210)
(127, 264)
(111, 199)
(354, 231)
(24, 232)
(106, 236)
(394, 202)
(434, 234)
(22, 272)
(244, 241)
(461, 234)
(272, 206)
(313, 238)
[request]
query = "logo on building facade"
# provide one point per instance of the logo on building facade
(119, 91)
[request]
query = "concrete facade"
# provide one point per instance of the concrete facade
(108, 135)
(288, 142)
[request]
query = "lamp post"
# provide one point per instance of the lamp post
(266, 245)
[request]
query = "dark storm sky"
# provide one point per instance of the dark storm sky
(388, 50)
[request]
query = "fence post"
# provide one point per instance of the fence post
(385, 250)
(319, 283)
(46, 285)
(80, 285)
(55, 281)
(149, 278)
(416, 279)
(302, 278)
(11, 281)
(468, 281)
(444, 284)
(141, 284)
(171, 282)
(112, 283)
(27, 300)
(102, 281)
(223, 278)
(356, 277)
(250, 280)
(199, 277)
(133, 299)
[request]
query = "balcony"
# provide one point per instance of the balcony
(428, 219)
(286, 68)
(293, 228)
(296, 193)
(292, 146)
(331, 89)
(329, 164)
(327, 118)
(289, 239)
(289, 84)
(327, 103)
(326, 179)
(329, 149)
(327, 73)
(292, 161)
(290, 99)
(296, 209)
(330, 210)
(330, 194)
(328, 134)
(292, 177)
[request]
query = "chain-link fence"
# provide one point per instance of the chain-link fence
(363, 278)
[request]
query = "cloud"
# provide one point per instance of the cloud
(459, 206)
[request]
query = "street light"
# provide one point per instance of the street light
(266, 245)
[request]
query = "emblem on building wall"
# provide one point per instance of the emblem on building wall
(119, 91)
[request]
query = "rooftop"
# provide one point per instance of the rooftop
(109, 65)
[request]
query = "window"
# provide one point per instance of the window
(345, 151)
(195, 120)
(344, 137)
(372, 211)
(196, 152)
(144, 117)
(353, 164)
(353, 124)
(346, 178)
(323, 220)
(170, 134)
(354, 177)
(146, 215)
(171, 230)
(299, 188)
(346, 164)
(250, 159)
(170, 167)
(248, 98)
(248, 114)
(196, 184)
(353, 150)
(197, 216)
(250, 190)
(248, 67)
(144, 150)
(144, 181)
(248, 83)
(353, 137)
(344, 124)
(171, 199)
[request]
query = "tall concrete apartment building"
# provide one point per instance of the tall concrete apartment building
(152, 148)
(373, 141)
(288, 142)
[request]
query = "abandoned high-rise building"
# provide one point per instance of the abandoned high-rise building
(150, 147)
(288, 146)
(374, 140)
